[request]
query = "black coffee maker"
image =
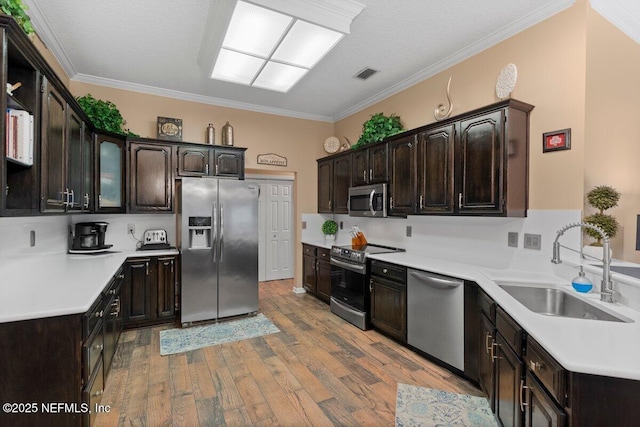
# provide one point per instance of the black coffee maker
(89, 236)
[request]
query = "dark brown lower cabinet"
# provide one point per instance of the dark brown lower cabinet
(486, 359)
(540, 410)
(150, 288)
(388, 287)
(508, 378)
(316, 271)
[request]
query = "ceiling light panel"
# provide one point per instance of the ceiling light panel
(255, 30)
(279, 77)
(305, 44)
(236, 67)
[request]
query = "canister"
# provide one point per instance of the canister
(211, 134)
(227, 134)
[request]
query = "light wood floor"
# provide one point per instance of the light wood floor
(319, 370)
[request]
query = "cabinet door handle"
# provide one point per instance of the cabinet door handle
(486, 342)
(493, 351)
(421, 202)
(391, 203)
(370, 174)
(206, 169)
(364, 175)
(171, 266)
(86, 200)
(99, 313)
(329, 204)
(370, 285)
(522, 402)
(146, 265)
(97, 393)
(459, 200)
(98, 346)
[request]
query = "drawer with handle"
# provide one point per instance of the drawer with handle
(550, 373)
(92, 352)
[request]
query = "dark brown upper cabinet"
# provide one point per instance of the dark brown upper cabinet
(110, 173)
(402, 182)
(369, 165)
(194, 160)
(150, 177)
(334, 179)
(54, 191)
(435, 167)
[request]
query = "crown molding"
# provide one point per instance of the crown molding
(185, 96)
(502, 34)
(48, 38)
(620, 15)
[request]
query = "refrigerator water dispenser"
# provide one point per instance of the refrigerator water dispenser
(199, 232)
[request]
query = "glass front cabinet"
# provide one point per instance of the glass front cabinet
(110, 169)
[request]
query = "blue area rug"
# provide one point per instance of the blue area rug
(174, 341)
(419, 406)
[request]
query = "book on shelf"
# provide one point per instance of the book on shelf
(19, 136)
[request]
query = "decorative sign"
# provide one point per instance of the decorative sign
(272, 159)
(169, 128)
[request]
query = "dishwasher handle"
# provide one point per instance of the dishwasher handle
(434, 280)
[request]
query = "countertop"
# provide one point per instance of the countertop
(58, 284)
(579, 345)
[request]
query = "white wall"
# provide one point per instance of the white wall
(51, 232)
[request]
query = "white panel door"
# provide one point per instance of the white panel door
(278, 230)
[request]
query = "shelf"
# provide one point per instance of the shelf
(18, 162)
(12, 102)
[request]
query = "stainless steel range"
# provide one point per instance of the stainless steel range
(349, 289)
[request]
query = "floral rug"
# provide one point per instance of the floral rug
(419, 406)
(178, 340)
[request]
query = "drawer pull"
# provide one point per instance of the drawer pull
(98, 346)
(535, 366)
(384, 270)
(99, 313)
(488, 346)
(97, 393)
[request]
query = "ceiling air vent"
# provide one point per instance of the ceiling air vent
(365, 73)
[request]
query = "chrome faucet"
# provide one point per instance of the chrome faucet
(606, 286)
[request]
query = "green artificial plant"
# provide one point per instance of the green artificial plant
(378, 127)
(17, 10)
(329, 227)
(104, 115)
(602, 198)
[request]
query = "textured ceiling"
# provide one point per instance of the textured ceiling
(153, 46)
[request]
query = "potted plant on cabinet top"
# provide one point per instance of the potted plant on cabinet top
(602, 197)
(17, 10)
(378, 127)
(329, 229)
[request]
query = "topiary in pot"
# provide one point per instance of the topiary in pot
(378, 127)
(602, 198)
(329, 229)
(104, 115)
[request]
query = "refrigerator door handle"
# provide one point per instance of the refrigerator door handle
(214, 232)
(221, 231)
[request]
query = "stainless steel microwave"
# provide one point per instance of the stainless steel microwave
(368, 200)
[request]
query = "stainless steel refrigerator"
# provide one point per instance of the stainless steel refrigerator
(218, 221)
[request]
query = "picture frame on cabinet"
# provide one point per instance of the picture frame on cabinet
(556, 140)
(169, 129)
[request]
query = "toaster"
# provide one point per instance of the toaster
(154, 237)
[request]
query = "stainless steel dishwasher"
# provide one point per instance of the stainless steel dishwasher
(435, 316)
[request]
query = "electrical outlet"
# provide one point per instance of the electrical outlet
(341, 225)
(409, 231)
(532, 241)
(131, 228)
(304, 225)
(512, 239)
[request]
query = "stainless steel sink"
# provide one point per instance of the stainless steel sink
(556, 302)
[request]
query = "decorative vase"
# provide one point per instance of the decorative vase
(211, 134)
(329, 237)
(227, 134)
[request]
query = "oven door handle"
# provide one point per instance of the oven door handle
(348, 266)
